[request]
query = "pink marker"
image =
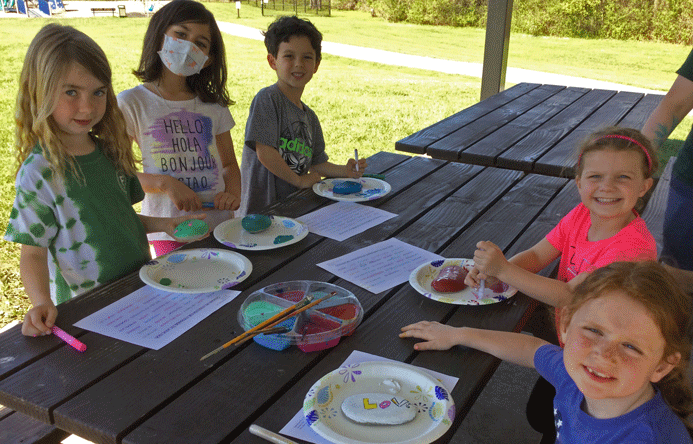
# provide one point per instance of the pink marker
(69, 339)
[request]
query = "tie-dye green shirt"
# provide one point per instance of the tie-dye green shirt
(92, 233)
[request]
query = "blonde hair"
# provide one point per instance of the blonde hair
(620, 139)
(50, 55)
(652, 286)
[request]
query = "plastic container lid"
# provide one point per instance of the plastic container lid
(317, 328)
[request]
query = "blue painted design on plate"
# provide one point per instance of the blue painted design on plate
(441, 393)
(177, 258)
(312, 417)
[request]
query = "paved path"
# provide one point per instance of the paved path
(513, 75)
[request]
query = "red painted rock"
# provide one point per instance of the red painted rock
(450, 279)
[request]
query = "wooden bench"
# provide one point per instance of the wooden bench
(19, 428)
(103, 10)
(657, 205)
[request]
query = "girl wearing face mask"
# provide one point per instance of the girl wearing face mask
(179, 117)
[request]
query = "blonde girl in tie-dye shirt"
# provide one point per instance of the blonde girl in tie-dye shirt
(76, 182)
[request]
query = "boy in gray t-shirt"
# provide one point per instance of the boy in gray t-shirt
(284, 147)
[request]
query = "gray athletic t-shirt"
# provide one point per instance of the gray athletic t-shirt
(275, 121)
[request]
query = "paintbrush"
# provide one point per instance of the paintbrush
(294, 313)
(260, 326)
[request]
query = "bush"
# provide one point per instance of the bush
(663, 20)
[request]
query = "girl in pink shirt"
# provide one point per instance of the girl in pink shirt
(614, 169)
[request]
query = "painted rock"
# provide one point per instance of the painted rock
(255, 223)
(450, 279)
(347, 187)
(190, 230)
(378, 408)
(497, 286)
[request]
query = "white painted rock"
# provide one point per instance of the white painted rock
(378, 408)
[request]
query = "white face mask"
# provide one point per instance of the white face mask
(181, 56)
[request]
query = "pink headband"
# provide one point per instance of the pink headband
(629, 139)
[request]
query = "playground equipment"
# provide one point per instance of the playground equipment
(9, 5)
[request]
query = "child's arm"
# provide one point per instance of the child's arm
(167, 225)
(513, 347)
(273, 161)
(33, 268)
(329, 169)
(182, 196)
(519, 271)
(230, 198)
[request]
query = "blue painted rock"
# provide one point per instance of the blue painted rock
(191, 230)
(256, 223)
(378, 408)
(347, 187)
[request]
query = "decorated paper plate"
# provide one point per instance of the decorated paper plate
(422, 277)
(283, 231)
(200, 270)
(403, 385)
(371, 189)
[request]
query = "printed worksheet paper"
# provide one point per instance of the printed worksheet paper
(343, 220)
(152, 318)
(380, 266)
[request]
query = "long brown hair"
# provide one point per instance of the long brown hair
(50, 55)
(652, 286)
(210, 83)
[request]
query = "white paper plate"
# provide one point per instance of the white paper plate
(283, 231)
(372, 189)
(322, 407)
(424, 274)
(199, 270)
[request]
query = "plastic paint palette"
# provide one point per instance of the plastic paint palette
(317, 328)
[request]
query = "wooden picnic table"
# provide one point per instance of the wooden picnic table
(117, 392)
(530, 127)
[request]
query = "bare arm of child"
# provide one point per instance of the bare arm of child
(33, 268)
(520, 271)
(329, 169)
(182, 196)
(167, 225)
(513, 347)
(230, 198)
(677, 103)
(272, 160)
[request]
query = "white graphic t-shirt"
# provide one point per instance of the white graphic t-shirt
(178, 139)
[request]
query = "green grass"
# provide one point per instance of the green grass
(361, 105)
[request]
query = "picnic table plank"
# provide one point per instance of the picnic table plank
(451, 146)
(637, 116)
(560, 160)
(419, 141)
(129, 403)
(528, 150)
(486, 150)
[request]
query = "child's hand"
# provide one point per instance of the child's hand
(308, 179)
(436, 335)
(474, 278)
(350, 168)
(488, 259)
(226, 201)
(39, 320)
(182, 196)
(173, 222)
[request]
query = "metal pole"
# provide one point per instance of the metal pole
(496, 47)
